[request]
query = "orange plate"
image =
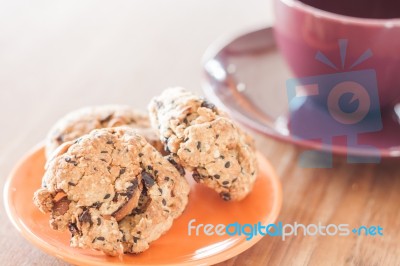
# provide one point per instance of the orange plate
(176, 247)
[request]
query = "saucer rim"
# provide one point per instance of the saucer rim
(217, 47)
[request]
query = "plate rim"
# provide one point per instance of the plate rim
(73, 258)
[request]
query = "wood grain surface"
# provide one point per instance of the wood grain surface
(56, 56)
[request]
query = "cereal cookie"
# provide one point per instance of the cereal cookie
(84, 120)
(203, 139)
(163, 199)
(93, 183)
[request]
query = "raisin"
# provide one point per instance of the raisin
(122, 171)
(196, 176)
(73, 229)
(97, 204)
(177, 166)
(60, 139)
(131, 188)
(208, 105)
(225, 196)
(85, 217)
(115, 199)
(148, 179)
(61, 206)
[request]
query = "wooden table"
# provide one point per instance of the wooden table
(56, 56)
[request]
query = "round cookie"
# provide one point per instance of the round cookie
(203, 139)
(95, 182)
(80, 122)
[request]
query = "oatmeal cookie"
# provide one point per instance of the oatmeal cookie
(96, 181)
(162, 200)
(203, 139)
(82, 121)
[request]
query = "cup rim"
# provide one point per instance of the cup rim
(382, 22)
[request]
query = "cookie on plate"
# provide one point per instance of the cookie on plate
(203, 139)
(80, 122)
(93, 183)
(164, 197)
